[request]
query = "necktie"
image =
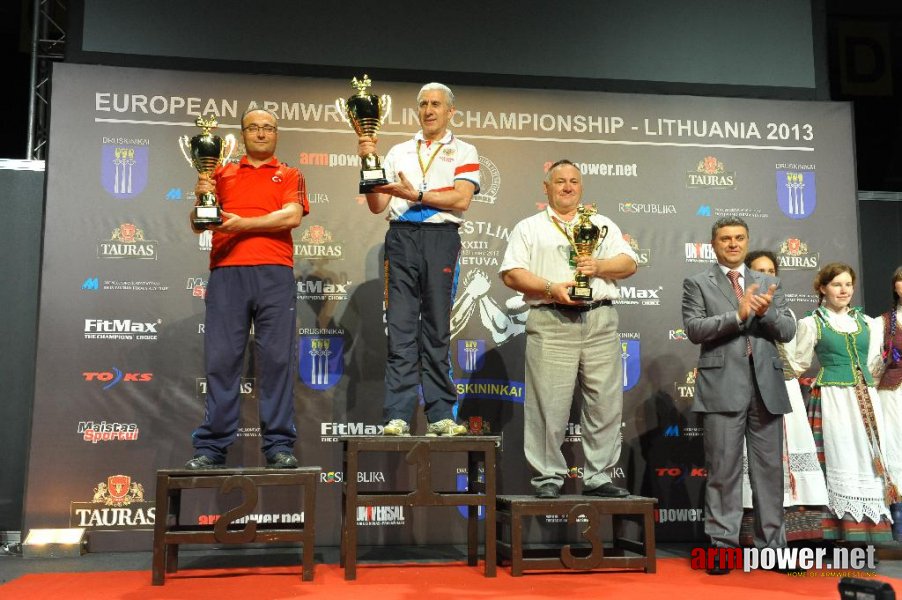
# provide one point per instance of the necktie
(733, 276)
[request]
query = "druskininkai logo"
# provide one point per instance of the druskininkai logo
(471, 355)
(320, 360)
(796, 193)
(123, 170)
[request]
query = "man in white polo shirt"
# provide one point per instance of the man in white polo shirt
(569, 342)
(434, 177)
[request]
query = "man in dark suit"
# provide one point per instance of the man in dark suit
(737, 315)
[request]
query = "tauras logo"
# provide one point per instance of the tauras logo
(118, 503)
(127, 241)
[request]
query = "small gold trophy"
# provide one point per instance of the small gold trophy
(585, 239)
(205, 152)
(365, 113)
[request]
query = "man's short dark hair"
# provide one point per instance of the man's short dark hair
(728, 222)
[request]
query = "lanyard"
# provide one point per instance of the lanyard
(425, 168)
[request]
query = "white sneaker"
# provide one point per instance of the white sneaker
(396, 427)
(445, 427)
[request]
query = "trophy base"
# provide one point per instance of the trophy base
(370, 178)
(367, 187)
(581, 294)
(204, 216)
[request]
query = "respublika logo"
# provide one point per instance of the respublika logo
(123, 170)
(796, 193)
(471, 355)
(320, 360)
(317, 244)
(127, 241)
(678, 334)
(629, 354)
(646, 208)
(489, 181)
(710, 173)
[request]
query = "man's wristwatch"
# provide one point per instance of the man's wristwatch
(420, 196)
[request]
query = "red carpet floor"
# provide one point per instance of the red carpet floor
(673, 580)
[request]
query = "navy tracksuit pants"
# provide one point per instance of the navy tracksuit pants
(236, 297)
(421, 270)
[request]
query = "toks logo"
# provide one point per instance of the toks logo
(114, 377)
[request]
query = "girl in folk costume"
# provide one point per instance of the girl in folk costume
(845, 411)
(890, 386)
(804, 489)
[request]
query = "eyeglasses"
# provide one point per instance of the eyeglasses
(267, 129)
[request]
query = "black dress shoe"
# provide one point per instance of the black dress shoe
(548, 490)
(282, 460)
(607, 490)
(202, 461)
(720, 562)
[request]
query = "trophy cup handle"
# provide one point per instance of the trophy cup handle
(185, 146)
(384, 107)
(229, 143)
(342, 108)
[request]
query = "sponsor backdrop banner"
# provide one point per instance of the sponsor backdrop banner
(120, 383)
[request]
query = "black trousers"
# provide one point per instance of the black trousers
(421, 271)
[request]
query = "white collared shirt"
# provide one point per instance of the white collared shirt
(537, 245)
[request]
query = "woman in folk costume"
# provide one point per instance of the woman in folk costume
(845, 410)
(804, 489)
(890, 386)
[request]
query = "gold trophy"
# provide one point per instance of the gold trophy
(205, 152)
(585, 238)
(365, 113)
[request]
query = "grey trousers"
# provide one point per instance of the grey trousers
(723, 459)
(563, 349)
